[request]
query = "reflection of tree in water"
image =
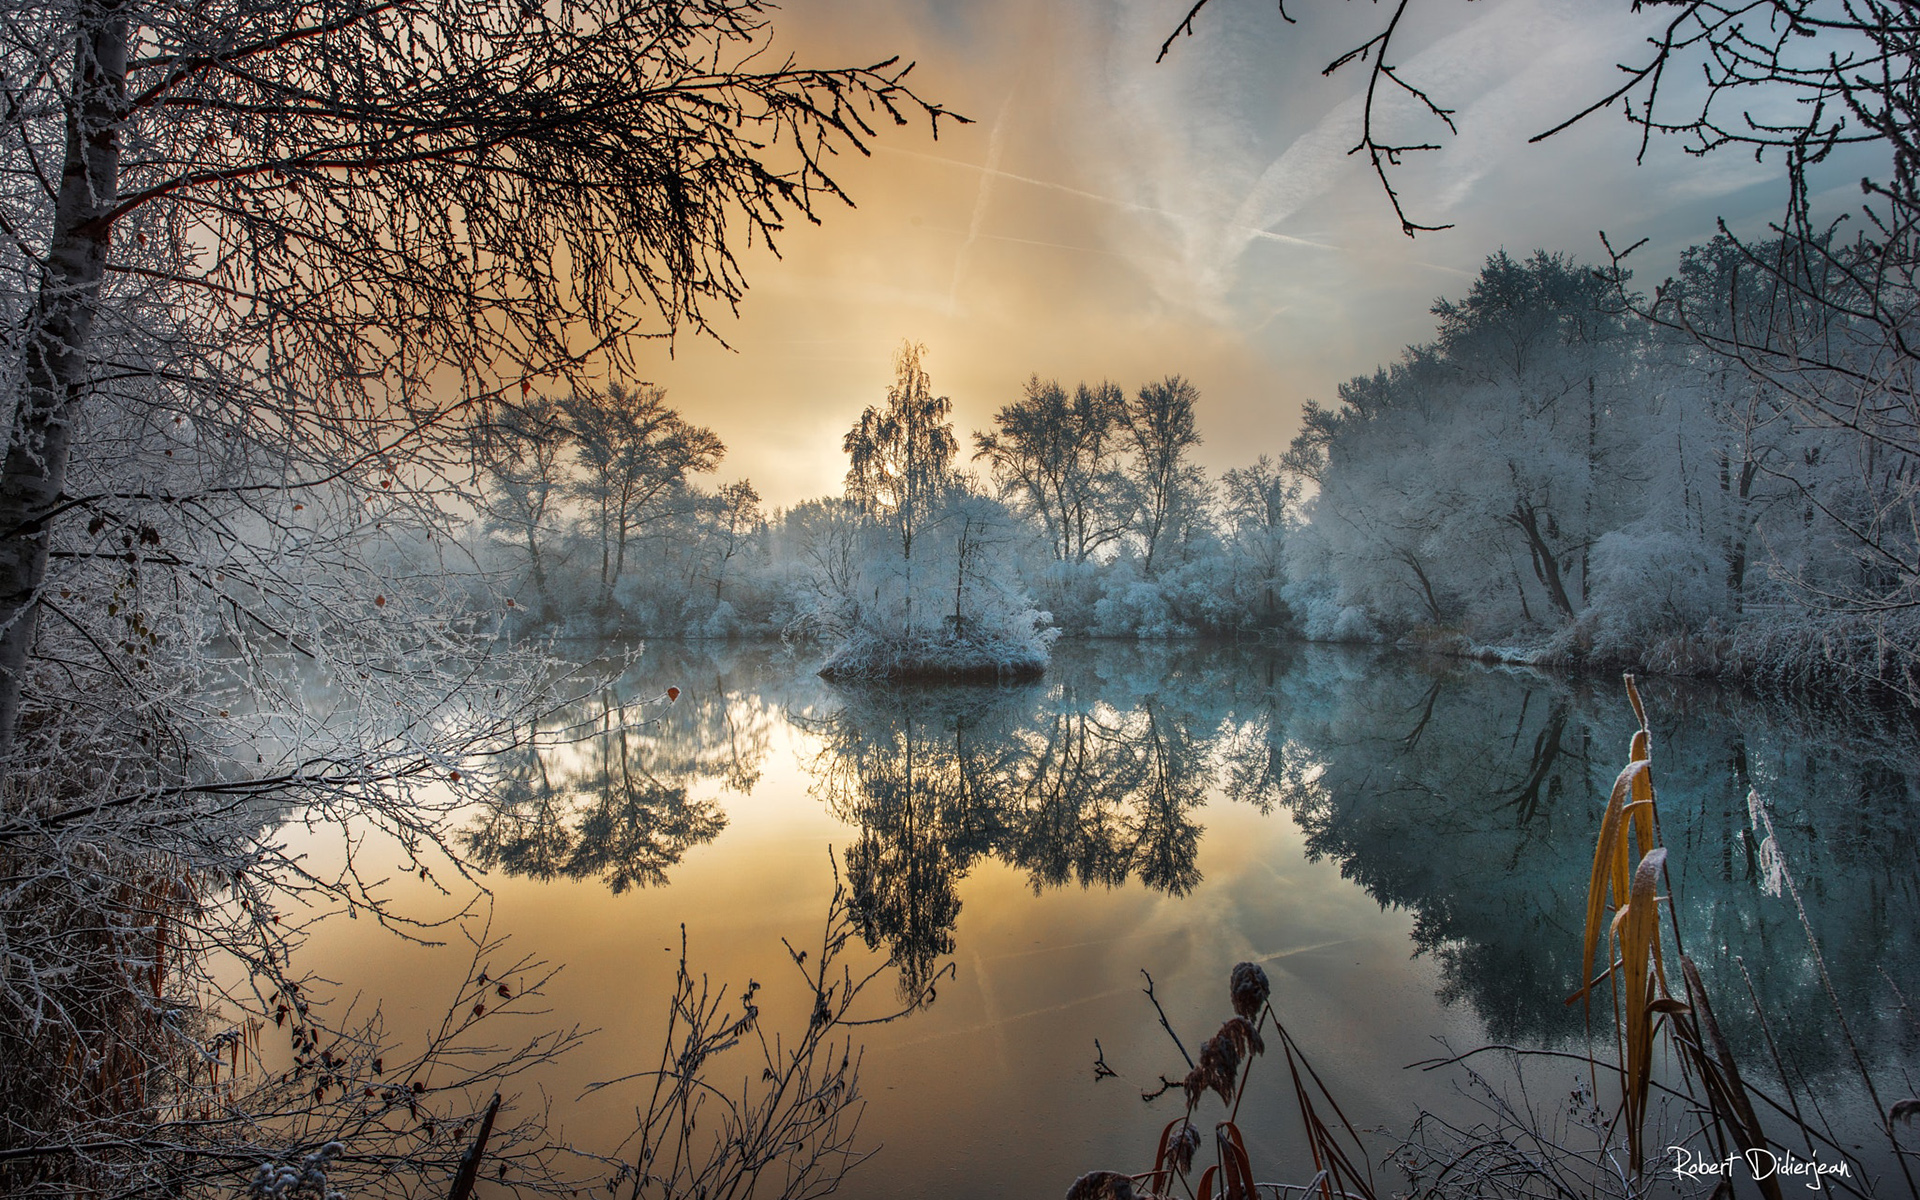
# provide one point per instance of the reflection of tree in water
(602, 789)
(1472, 799)
(1466, 796)
(1037, 776)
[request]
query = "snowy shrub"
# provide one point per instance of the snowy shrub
(722, 622)
(1646, 586)
(956, 607)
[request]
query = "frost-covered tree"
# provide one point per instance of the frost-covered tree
(1056, 457)
(1813, 321)
(525, 457)
(1543, 437)
(1259, 507)
(634, 454)
(263, 267)
(1170, 493)
(920, 586)
(733, 517)
(900, 458)
(1471, 480)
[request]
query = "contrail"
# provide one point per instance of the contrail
(996, 142)
(1129, 205)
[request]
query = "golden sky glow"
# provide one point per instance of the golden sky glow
(1109, 218)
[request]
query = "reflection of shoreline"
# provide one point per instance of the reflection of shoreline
(1472, 800)
(1465, 797)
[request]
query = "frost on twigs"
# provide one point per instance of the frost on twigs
(794, 1116)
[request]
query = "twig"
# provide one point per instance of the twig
(1164, 1023)
(1100, 1068)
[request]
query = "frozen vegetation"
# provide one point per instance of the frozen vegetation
(1563, 476)
(1558, 478)
(1085, 515)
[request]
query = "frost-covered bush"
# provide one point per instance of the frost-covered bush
(1190, 598)
(1320, 611)
(1069, 590)
(1134, 607)
(954, 607)
(721, 622)
(1647, 585)
(1016, 649)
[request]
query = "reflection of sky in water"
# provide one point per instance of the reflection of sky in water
(1405, 850)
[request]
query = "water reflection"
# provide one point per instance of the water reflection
(1043, 777)
(1472, 799)
(1464, 796)
(601, 789)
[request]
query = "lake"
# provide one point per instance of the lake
(1402, 843)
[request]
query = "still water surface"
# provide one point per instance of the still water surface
(1403, 844)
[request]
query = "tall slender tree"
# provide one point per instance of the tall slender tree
(1171, 492)
(900, 458)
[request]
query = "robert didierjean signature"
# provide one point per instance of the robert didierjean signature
(1756, 1164)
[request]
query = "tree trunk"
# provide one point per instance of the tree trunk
(58, 337)
(1546, 565)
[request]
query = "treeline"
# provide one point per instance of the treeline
(1566, 473)
(1080, 511)
(1586, 476)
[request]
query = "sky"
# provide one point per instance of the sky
(1107, 217)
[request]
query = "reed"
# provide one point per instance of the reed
(1671, 1076)
(1341, 1170)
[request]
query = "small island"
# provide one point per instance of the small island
(929, 587)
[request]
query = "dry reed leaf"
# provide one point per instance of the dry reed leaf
(1726, 1092)
(1236, 1168)
(1609, 867)
(1637, 929)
